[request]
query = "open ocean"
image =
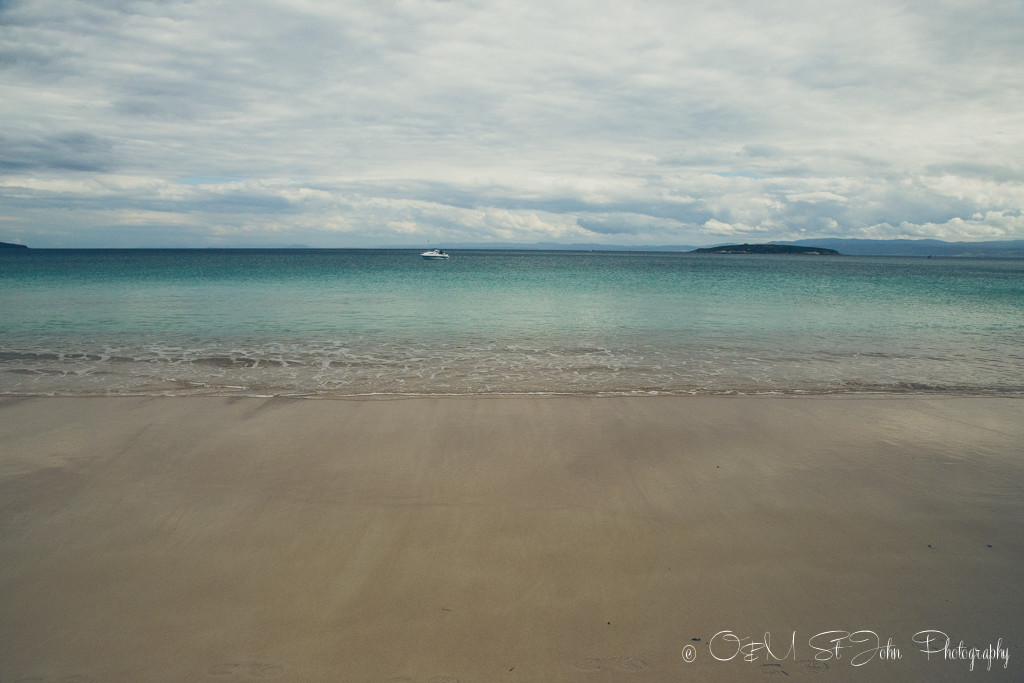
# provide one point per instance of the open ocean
(336, 323)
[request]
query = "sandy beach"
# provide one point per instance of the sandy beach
(511, 539)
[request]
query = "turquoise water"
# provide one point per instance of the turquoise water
(366, 322)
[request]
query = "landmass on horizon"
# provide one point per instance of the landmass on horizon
(8, 245)
(766, 249)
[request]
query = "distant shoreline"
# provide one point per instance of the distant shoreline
(767, 249)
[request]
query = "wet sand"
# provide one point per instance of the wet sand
(522, 539)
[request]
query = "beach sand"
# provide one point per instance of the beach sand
(508, 539)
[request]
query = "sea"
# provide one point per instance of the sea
(326, 323)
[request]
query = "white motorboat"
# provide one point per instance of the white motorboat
(434, 254)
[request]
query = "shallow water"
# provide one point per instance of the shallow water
(368, 322)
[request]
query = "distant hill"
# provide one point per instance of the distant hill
(8, 245)
(766, 249)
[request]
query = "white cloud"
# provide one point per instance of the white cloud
(360, 123)
(815, 197)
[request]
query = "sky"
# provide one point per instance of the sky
(377, 123)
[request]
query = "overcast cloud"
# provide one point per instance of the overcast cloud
(413, 122)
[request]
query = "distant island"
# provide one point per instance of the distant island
(8, 245)
(766, 249)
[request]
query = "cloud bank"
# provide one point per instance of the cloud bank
(411, 122)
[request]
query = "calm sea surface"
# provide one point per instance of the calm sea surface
(365, 322)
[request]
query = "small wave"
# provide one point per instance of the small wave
(27, 356)
(225, 361)
(328, 369)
